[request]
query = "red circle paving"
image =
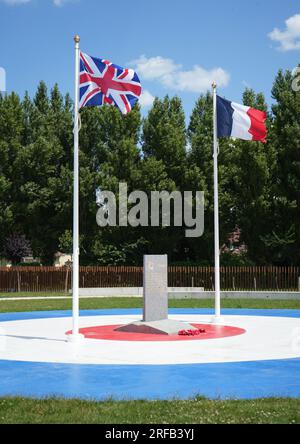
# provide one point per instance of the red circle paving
(107, 332)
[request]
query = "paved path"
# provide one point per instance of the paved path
(38, 298)
(47, 298)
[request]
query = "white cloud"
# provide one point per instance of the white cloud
(146, 99)
(155, 67)
(21, 2)
(246, 84)
(15, 2)
(196, 80)
(289, 38)
(172, 76)
(61, 2)
(2, 79)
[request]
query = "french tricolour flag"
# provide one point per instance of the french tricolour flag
(240, 122)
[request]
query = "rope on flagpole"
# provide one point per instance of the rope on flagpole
(77, 124)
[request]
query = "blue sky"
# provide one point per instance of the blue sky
(176, 47)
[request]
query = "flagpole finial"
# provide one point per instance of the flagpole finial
(76, 38)
(214, 85)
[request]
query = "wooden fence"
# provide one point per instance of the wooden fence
(51, 279)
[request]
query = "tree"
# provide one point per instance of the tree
(259, 184)
(11, 128)
(39, 172)
(164, 136)
(200, 158)
(283, 240)
(250, 184)
(17, 247)
(109, 154)
(245, 178)
(166, 167)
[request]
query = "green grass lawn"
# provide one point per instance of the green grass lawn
(93, 303)
(194, 411)
(26, 294)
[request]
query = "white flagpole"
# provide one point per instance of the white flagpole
(75, 331)
(217, 318)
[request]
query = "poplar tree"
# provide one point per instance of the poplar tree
(164, 136)
(11, 127)
(283, 240)
(252, 167)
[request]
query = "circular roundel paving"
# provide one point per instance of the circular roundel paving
(256, 353)
(204, 332)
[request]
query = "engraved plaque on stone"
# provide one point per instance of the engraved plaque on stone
(155, 288)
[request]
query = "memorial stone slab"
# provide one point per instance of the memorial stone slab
(155, 288)
(155, 315)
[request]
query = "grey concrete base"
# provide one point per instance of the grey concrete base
(164, 327)
(188, 293)
(271, 295)
(132, 291)
(136, 292)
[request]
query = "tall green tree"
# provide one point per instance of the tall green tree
(11, 128)
(250, 184)
(283, 239)
(200, 157)
(109, 155)
(41, 185)
(259, 183)
(164, 136)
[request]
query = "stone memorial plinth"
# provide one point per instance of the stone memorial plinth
(155, 313)
(155, 288)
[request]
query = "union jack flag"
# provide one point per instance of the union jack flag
(101, 82)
